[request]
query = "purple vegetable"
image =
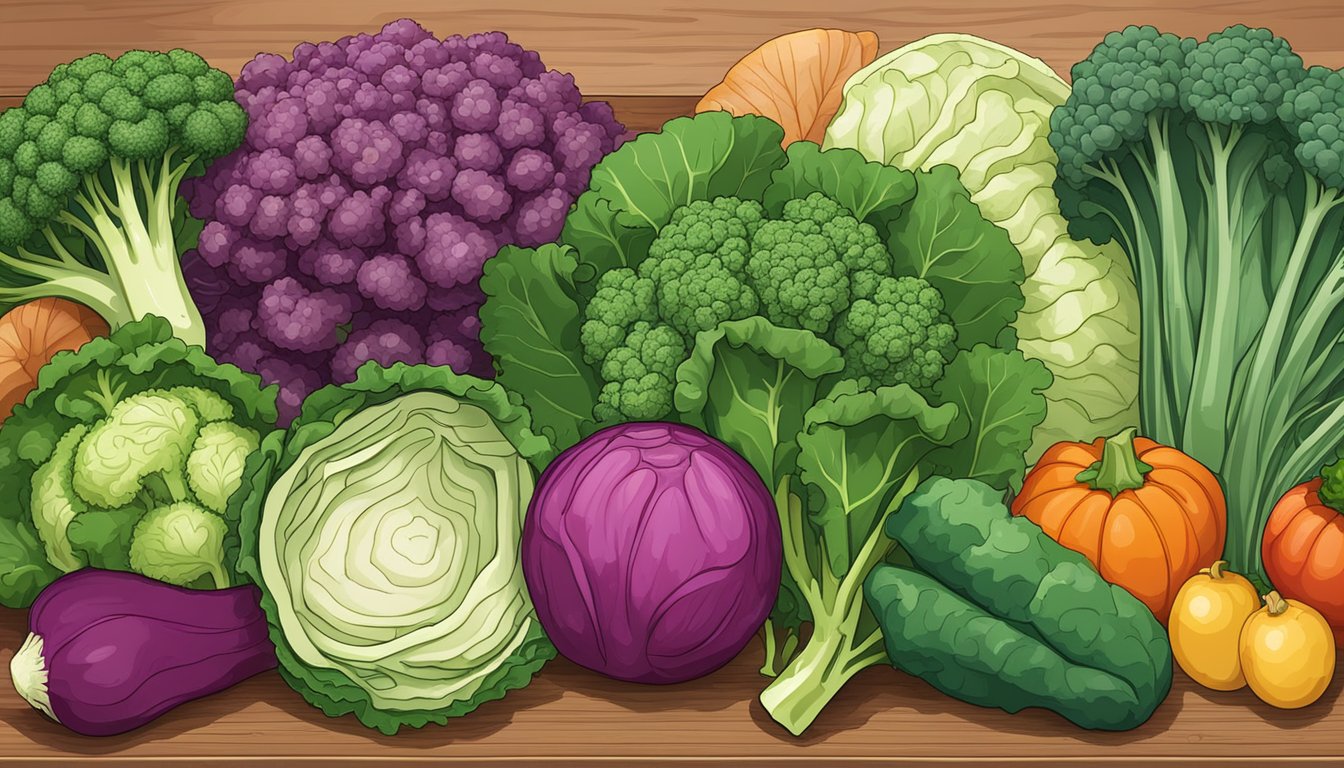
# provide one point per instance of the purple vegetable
(109, 651)
(652, 552)
(378, 174)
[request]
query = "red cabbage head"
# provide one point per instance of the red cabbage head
(652, 552)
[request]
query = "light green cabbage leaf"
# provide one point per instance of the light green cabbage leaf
(384, 532)
(985, 109)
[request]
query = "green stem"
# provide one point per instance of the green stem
(1178, 333)
(1332, 486)
(816, 675)
(1120, 469)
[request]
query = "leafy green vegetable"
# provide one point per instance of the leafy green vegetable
(999, 614)
(115, 461)
(831, 319)
(1223, 185)
(383, 529)
(980, 111)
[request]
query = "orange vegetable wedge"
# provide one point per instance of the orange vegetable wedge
(31, 334)
(796, 80)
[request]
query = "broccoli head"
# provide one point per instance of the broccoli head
(90, 166)
(899, 336)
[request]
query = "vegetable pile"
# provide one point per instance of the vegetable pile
(926, 359)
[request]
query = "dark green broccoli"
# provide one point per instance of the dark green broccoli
(814, 267)
(1216, 164)
(901, 335)
(89, 171)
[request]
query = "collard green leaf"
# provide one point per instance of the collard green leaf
(1001, 393)
(876, 193)
(863, 451)
(635, 189)
(749, 383)
(530, 326)
(944, 239)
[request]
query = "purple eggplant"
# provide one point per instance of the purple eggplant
(109, 651)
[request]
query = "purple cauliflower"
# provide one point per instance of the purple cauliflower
(378, 174)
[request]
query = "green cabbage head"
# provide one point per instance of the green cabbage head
(985, 109)
(384, 532)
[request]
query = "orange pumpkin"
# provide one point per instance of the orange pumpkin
(1303, 550)
(1146, 515)
(31, 334)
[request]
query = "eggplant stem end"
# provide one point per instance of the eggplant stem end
(28, 670)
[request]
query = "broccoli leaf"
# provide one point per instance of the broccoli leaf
(1000, 391)
(634, 191)
(749, 383)
(970, 261)
(864, 450)
(530, 326)
(102, 537)
(874, 192)
(24, 569)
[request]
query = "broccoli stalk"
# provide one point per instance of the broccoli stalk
(846, 637)
(1216, 164)
(90, 168)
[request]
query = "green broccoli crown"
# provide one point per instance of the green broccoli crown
(901, 335)
(697, 263)
(139, 107)
(1128, 77)
(1239, 75)
(622, 299)
(804, 264)
(1313, 113)
(640, 374)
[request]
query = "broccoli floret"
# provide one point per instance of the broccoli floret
(179, 544)
(215, 466)
(900, 336)
(149, 433)
(55, 503)
(622, 299)
(696, 264)
(208, 405)
(90, 166)
(640, 374)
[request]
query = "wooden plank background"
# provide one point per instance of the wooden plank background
(626, 48)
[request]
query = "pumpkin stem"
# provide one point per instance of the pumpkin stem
(1275, 603)
(1216, 570)
(1119, 469)
(1331, 493)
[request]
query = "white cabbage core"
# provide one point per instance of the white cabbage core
(391, 550)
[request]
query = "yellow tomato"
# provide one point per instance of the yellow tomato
(1287, 653)
(1205, 626)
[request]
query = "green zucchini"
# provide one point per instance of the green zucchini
(999, 614)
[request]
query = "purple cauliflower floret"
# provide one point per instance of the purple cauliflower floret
(384, 342)
(378, 174)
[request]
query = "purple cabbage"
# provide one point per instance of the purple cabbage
(652, 552)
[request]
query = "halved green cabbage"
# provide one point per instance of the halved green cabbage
(385, 535)
(985, 109)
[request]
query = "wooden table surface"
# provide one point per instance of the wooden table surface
(569, 716)
(652, 59)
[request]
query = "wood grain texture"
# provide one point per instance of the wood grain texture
(568, 715)
(652, 47)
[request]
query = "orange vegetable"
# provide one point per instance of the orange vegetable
(1147, 516)
(1287, 653)
(1303, 550)
(31, 334)
(796, 80)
